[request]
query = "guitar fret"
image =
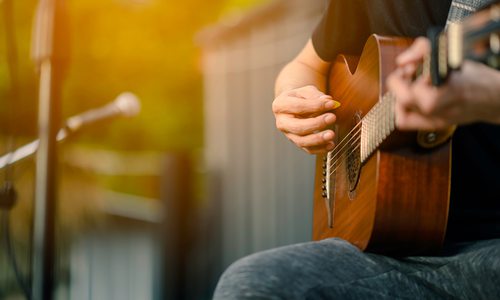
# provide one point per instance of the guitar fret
(343, 211)
(377, 125)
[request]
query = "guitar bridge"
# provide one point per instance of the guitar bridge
(329, 171)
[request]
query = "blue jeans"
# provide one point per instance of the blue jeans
(335, 269)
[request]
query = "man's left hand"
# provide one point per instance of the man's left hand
(469, 95)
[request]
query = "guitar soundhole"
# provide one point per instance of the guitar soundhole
(354, 161)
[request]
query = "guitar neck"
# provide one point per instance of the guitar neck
(476, 38)
(448, 50)
(377, 125)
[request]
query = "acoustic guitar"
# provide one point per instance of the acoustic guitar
(383, 190)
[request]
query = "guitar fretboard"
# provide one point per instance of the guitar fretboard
(376, 125)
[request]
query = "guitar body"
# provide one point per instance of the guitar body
(396, 201)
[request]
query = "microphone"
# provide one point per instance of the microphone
(126, 104)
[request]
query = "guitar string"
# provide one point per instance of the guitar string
(336, 167)
(334, 159)
(357, 145)
(378, 116)
(339, 148)
(356, 142)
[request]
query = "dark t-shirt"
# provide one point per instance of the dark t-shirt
(475, 188)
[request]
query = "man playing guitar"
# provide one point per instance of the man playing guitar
(468, 267)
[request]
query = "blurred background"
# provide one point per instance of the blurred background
(158, 205)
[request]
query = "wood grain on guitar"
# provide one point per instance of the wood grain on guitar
(382, 190)
(392, 201)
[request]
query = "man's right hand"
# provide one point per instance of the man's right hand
(303, 115)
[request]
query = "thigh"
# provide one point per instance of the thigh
(335, 269)
(463, 271)
(290, 272)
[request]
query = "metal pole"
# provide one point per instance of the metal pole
(46, 190)
(43, 269)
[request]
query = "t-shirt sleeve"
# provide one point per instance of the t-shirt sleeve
(343, 29)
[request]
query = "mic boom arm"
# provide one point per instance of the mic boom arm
(126, 104)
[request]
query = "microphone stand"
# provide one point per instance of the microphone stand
(43, 267)
(125, 105)
(28, 150)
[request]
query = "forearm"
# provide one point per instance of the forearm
(307, 69)
(470, 95)
(302, 110)
(297, 74)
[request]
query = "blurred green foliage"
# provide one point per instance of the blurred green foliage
(143, 46)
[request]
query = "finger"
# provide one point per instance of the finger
(415, 53)
(301, 106)
(312, 140)
(409, 70)
(308, 92)
(431, 101)
(290, 124)
(318, 102)
(413, 120)
(319, 149)
(400, 87)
